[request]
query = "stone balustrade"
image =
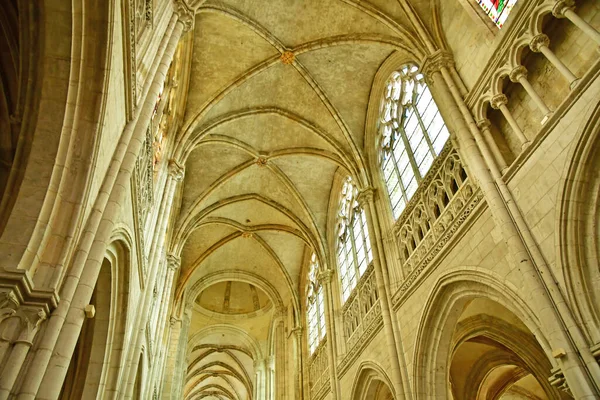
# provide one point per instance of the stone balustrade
(443, 201)
(318, 370)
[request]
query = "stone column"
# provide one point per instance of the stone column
(280, 357)
(398, 374)
(297, 336)
(181, 363)
(566, 9)
(173, 264)
(324, 278)
(484, 125)
(260, 385)
(499, 102)
(44, 377)
(557, 322)
(171, 357)
(27, 320)
(519, 74)
(539, 44)
(176, 173)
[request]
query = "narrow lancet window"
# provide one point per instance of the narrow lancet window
(354, 246)
(412, 134)
(497, 10)
(315, 307)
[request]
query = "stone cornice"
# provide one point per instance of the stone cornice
(23, 292)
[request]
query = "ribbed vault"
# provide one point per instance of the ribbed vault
(276, 109)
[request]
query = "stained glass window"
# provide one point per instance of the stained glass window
(354, 246)
(497, 10)
(315, 306)
(412, 134)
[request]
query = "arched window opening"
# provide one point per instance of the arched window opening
(315, 307)
(354, 246)
(497, 10)
(412, 134)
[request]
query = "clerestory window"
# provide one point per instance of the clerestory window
(412, 134)
(315, 307)
(497, 10)
(353, 243)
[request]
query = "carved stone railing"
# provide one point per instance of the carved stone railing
(445, 198)
(361, 317)
(318, 371)
(361, 308)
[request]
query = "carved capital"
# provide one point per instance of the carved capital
(176, 171)
(433, 63)
(297, 331)
(517, 73)
(173, 321)
(484, 124)
(185, 14)
(539, 41)
(173, 262)
(366, 196)
(31, 319)
(558, 11)
(287, 57)
(324, 277)
(498, 101)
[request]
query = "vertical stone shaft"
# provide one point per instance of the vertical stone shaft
(325, 280)
(158, 242)
(98, 229)
(398, 374)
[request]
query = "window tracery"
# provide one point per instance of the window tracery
(497, 10)
(354, 246)
(315, 306)
(412, 134)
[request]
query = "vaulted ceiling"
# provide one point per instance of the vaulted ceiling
(276, 110)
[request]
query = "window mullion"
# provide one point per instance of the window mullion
(425, 132)
(409, 152)
(395, 162)
(354, 252)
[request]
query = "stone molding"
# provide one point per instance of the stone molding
(484, 124)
